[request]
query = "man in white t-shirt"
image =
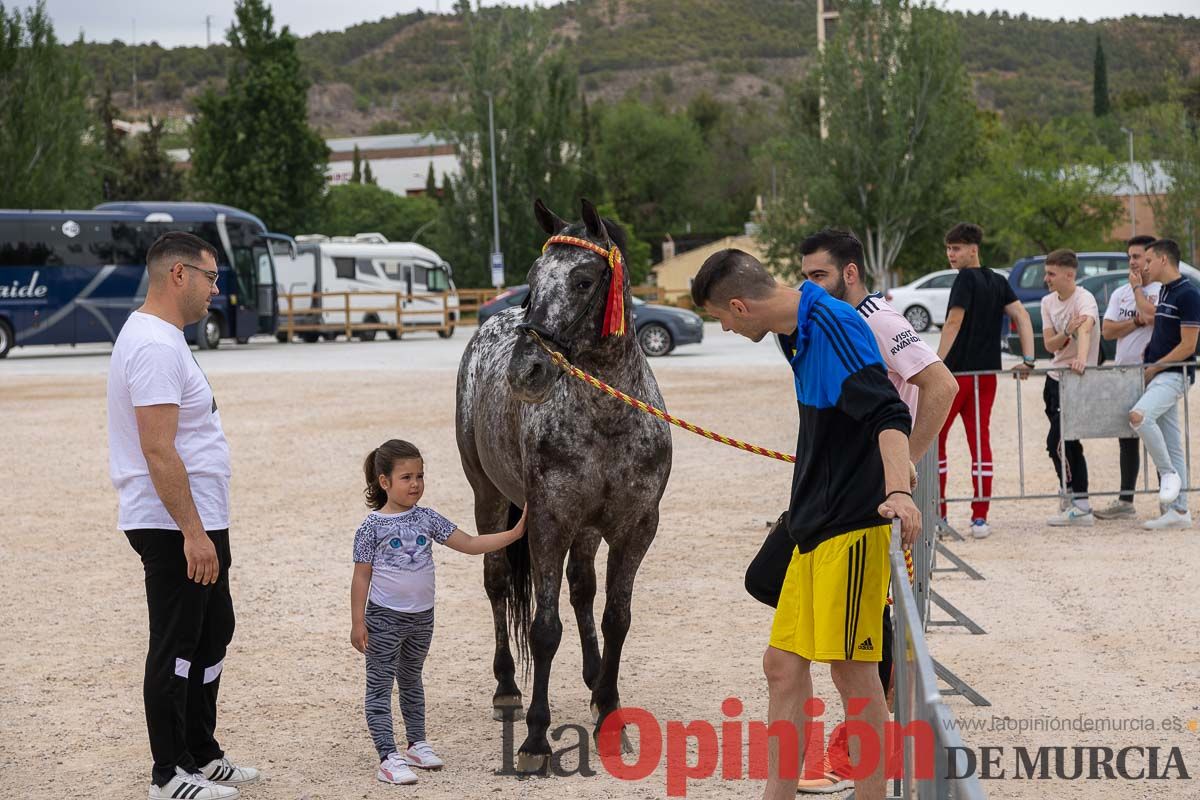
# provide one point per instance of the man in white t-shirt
(1070, 318)
(169, 462)
(832, 259)
(1129, 319)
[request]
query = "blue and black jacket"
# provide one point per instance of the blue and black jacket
(846, 401)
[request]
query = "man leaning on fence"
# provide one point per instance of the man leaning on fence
(1129, 319)
(1176, 325)
(1069, 321)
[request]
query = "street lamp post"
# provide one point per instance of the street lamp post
(497, 256)
(1132, 188)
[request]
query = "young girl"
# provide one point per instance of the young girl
(391, 599)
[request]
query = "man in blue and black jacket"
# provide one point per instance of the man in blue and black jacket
(851, 477)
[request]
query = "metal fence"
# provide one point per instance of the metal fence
(918, 699)
(1094, 405)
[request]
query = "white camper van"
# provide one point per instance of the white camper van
(366, 262)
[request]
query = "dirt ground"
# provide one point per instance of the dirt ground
(1094, 624)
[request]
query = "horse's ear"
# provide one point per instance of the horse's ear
(591, 218)
(551, 223)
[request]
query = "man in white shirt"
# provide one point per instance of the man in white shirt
(1129, 319)
(1069, 321)
(169, 462)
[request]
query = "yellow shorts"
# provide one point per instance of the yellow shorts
(831, 604)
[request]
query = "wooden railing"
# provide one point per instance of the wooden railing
(339, 303)
(470, 300)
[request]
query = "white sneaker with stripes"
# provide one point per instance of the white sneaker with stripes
(393, 769)
(421, 756)
(226, 773)
(191, 786)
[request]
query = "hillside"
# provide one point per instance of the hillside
(394, 74)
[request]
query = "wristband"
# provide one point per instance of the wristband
(898, 491)
(1030, 360)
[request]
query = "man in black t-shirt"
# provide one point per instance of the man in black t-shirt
(979, 300)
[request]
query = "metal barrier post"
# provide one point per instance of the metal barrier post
(919, 700)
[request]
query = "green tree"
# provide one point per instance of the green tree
(1043, 187)
(252, 146)
(152, 174)
(1100, 104)
(648, 161)
(45, 161)
(537, 132)
(356, 170)
(899, 118)
(357, 208)
(367, 177)
(431, 188)
(1175, 140)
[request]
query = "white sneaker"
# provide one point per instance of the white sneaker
(1168, 487)
(980, 529)
(1171, 520)
(1117, 509)
(193, 786)
(394, 770)
(226, 773)
(421, 755)
(1072, 517)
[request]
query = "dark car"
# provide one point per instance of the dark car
(1102, 287)
(660, 329)
(1027, 276)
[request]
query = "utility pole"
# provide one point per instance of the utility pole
(1132, 188)
(497, 256)
(827, 20)
(208, 30)
(133, 50)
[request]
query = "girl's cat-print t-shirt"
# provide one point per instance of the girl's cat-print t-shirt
(399, 548)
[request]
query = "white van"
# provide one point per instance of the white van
(366, 262)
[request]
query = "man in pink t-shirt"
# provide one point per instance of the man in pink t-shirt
(1070, 329)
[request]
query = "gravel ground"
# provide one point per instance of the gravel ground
(1086, 624)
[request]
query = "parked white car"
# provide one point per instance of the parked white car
(923, 302)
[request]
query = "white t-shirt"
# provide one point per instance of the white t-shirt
(904, 352)
(152, 365)
(1121, 308)
(399, 548)
(1059, 313)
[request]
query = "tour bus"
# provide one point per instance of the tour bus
(365, 262)
(73, 277)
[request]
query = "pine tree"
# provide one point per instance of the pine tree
(252, 146)
(356, 170)
(431, 189)
(44, 119)
(1100, 104)
(368, 178)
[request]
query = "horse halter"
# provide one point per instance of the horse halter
(614, 311)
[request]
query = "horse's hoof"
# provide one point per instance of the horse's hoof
(506, 706)
(626, 743)
(532, 764)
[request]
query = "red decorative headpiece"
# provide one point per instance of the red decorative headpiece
(614, 309)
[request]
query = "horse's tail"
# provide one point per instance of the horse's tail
(520, 596)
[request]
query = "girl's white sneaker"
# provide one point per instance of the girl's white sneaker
(421, 756)
(394, 769)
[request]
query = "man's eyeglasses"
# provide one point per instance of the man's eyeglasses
(212, 276)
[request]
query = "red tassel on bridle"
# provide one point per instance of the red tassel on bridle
(614, 308)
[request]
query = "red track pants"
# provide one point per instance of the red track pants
(968, 405)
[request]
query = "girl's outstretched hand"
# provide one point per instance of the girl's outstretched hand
(519, 528)
(358, 637)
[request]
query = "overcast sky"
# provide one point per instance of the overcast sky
(182, 23)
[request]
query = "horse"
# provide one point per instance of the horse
(588, 466)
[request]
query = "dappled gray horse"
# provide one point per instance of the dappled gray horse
(589, 466)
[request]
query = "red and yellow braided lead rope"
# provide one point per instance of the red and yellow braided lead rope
(566, 366)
